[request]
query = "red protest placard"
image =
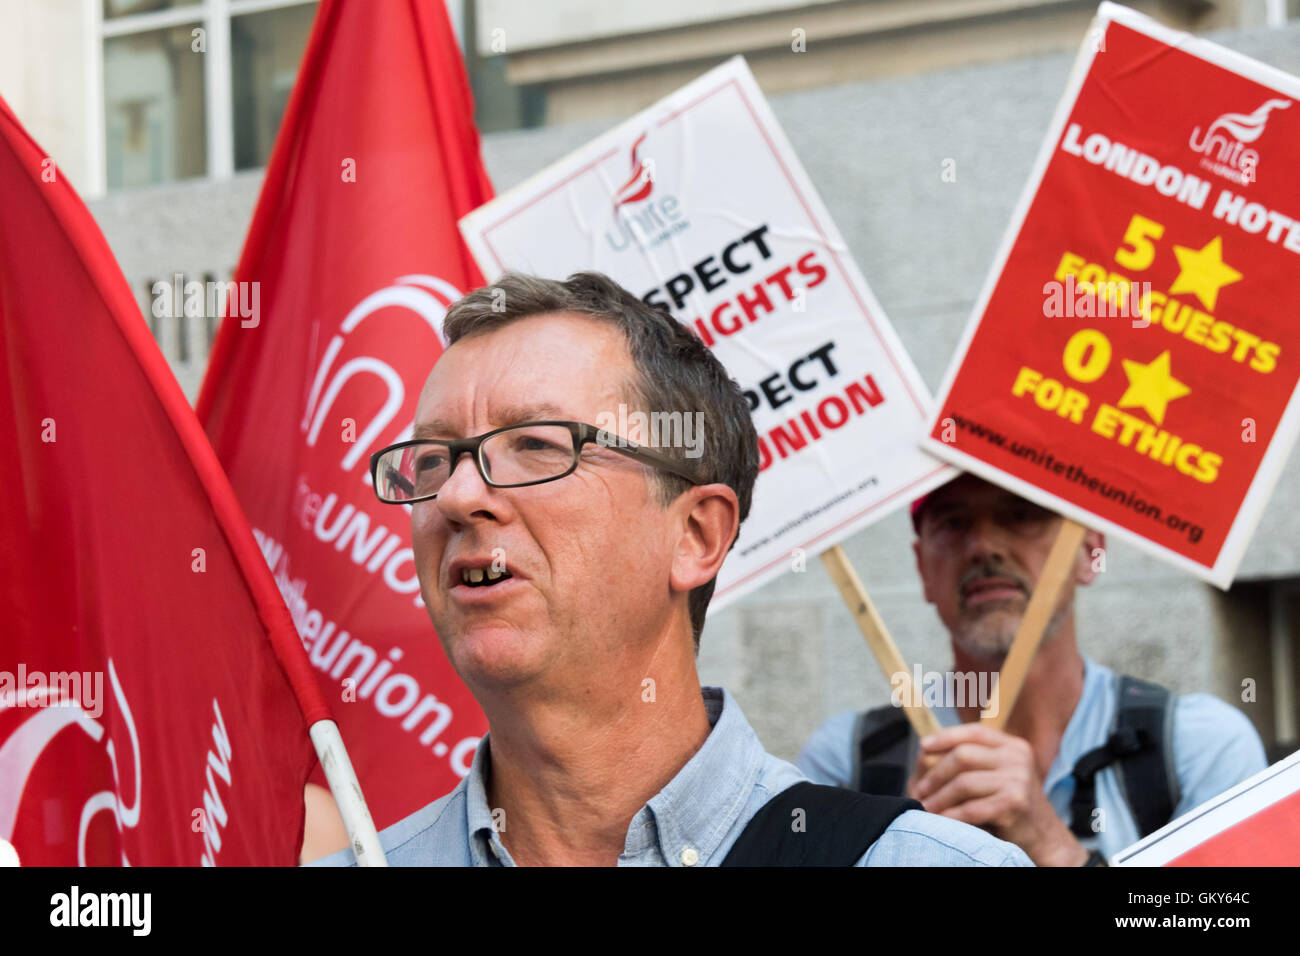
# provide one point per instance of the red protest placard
(1256, 823)
(1133, 359)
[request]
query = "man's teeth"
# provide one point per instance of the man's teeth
(477, 576)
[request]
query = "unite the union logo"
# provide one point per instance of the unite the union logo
(640, 218)
(427, 296)
(1224, 146)
(642, 181)
(52, 713)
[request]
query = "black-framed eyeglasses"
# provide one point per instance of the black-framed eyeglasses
(511, 457)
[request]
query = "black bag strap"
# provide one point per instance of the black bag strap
(1149, 781)
(1141, 741)
(836, 827)
(885, 750)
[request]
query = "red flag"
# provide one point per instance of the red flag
(136, 606)
(355, 255)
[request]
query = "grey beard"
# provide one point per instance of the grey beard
(989, 641)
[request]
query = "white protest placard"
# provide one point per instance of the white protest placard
(700, 205)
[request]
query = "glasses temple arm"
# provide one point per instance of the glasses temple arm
(614, 442)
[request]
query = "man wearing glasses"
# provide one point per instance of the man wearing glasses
(567, 571)
(1091, 761)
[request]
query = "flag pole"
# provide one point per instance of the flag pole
(346, 788)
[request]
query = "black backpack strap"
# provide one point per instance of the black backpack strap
(1149, 780)
(836, 827)
(885, 748)
(1141, 740)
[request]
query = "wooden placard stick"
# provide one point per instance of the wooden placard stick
(878, 639)
(1057, 570)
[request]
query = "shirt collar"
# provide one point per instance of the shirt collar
(697, 808)
(704, 801)
(485, 846)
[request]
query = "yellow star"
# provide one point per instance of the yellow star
(1152, 387)
(1203, 272)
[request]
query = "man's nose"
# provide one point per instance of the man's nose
(464, 494)
(985, 538)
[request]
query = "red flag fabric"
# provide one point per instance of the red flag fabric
(145, 717)
(356, 255)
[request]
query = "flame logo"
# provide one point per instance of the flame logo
(1246, 127)
(641, 183)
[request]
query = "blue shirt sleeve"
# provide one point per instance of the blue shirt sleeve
(343, 857)
(1215, 748)
(827, 757)
(927, 839)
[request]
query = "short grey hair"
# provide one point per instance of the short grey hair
(675, 372)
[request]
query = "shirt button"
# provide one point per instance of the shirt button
(690, 856)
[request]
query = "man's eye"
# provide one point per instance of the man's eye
(531, 443)
(428, 462)
(1026, 515)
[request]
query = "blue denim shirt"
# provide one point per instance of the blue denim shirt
(693, 821)
(1215, 747)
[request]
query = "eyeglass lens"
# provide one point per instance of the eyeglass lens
(516, 456)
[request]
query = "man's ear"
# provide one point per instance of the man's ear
(920, 571)
(1092, 557)
(708, 528)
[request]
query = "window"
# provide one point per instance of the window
(153, 110)
(264, 51)
(196, 88)
(125, 8)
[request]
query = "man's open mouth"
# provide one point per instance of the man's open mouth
(483, 577)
